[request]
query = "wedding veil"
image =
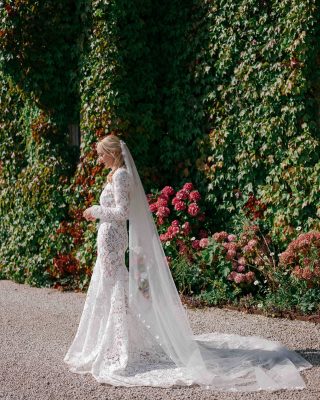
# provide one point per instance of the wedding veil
(216, 361)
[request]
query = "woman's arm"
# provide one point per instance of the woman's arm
(121, 188)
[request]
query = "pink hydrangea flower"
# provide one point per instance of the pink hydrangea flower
(230, 246)
(163, 196)
(163, 237)
(194, 196)
(175, 223)
(233, 246)
(163, 211)
(242, 261)
(287, 257)
(188, 186)
(239, 278)
(248, 249)
(182, 194)
(153, 207)
(180, 205)
(231, 254)
(250, 276)
(204, 242)
(196, 244)
(174, 230)
(307, 274)
(220, 236)
(252, 243)
(162, 202)
(241, 268)
(302, 243)
(234, 264)
(186, 228)
(168, 191)
(232, 275)
(193, 209)
(232, 238)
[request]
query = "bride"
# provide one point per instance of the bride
(134, 330)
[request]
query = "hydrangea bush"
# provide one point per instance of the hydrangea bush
(243, 267)
(302, 257)
(180, 218)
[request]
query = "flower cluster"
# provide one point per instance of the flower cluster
(247, 251)
(234, 253)
(179, 215)
(238, 277)
(303, 256)
(184, 199)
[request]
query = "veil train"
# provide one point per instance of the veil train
(217, 361)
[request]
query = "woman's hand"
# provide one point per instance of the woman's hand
(87, 215)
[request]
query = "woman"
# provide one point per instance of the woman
(134, 330)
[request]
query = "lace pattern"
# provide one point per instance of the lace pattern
(115, 198)
(110, 338)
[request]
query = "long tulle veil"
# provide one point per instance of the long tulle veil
(215, 360)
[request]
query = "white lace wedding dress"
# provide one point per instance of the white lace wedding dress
(116, 346)
(111, 343)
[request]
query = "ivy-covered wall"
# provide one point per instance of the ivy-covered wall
(262, 71)
(139, 81)
(220, 93)
(41, 49)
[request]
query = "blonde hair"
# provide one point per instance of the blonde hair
(111, 145)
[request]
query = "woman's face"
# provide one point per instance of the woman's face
(106, 159)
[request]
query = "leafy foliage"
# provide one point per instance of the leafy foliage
(223, 94)
(39, 79)
(261, 67)
(41, 47)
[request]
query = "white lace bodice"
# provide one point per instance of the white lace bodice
(114, 199)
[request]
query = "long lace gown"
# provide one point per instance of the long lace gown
(111, 343)
(116, 347)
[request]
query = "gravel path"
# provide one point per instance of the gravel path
(37, 326)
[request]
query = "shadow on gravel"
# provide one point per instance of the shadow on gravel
(311, 355)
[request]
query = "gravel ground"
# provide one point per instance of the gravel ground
(37, 325)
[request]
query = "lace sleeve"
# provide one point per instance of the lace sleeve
(121, 192)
